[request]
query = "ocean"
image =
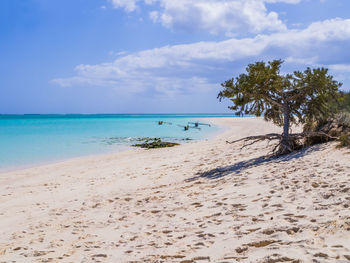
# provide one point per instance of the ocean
(27, 140)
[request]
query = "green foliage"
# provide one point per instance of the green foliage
(152, 143)
(344, 140)
(343, 104)
(339, 110)
(293, 98)
(344, 121)
(337, 127)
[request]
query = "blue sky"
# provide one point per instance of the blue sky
(157, 56)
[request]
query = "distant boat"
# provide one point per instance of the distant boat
(196, 124)
(187, 127)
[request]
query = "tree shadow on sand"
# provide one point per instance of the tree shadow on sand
(243, 165)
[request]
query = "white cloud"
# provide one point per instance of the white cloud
(128, 5)
(214, 16)
(303, 60)
(187, 68)
(340, 67)
(218, 16)
(283, 1)
(341, 73)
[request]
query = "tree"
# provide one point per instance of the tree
(284, 99)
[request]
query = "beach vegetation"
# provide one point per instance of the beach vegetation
(344, 140)
(300, 98)
(344, 102)
(337, 126)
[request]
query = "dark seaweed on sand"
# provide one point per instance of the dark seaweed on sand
(152, 143)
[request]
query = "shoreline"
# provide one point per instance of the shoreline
(60, 161)
(117, 150)
(198, 202)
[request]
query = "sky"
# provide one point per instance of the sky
(157, 56)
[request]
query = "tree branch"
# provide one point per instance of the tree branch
(268, 99)
(272, 101)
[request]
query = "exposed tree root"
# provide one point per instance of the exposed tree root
(293, 142)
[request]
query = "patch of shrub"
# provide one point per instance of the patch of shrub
(335, 128)
(344, 140)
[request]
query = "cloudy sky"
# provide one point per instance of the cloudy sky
(157, 56)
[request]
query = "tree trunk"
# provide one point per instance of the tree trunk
(287, 144)
(285, 121)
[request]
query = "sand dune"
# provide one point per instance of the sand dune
(200, 202)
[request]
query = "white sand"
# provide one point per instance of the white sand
(140, 206)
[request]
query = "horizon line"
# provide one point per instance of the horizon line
(24, 114)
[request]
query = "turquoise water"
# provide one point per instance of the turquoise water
(27, 140)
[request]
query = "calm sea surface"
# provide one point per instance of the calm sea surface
(26, 140)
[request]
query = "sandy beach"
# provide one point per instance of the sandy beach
(205, 201)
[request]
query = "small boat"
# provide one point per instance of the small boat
(196, 124)
(187, 127)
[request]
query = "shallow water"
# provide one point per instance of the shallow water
(26, 140)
